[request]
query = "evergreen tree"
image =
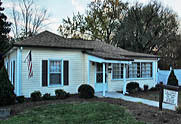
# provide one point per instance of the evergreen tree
(172, 80)
(7, 95)
(4, 30)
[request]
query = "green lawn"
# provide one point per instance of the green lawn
(77, 113)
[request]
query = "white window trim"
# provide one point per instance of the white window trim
(62, 80)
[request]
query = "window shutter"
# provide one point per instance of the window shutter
(66, 72)
(44, 73)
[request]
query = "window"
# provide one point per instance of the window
(146, 69)
(140, 70)
(99, 73)
(55, 72)
(117, 71)
(134, 70)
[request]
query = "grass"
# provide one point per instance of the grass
(77, 113)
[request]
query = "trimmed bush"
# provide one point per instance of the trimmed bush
(86, 91)
(172, 80)
(36, 96)
(20, 99)
(7, 96)
(61, 94)
(46, 96)
(132, 87)
(145, 88)
(156, 88)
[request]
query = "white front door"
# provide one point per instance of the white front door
(99, 78)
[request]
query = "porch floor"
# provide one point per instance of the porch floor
(134, 99)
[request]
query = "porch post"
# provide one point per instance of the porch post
(104, 79)
(124, 79)
(88, 78)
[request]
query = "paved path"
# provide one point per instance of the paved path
(134, 99)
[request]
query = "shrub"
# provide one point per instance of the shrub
(156, 88)
(172, 80)
(7, 96)
(132, 87)
(86, 91)
(145, 87)
(61, 94)
(178, 109)
(20, 99)
(46, 96)
(36, 96)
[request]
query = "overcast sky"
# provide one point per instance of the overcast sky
(60, 9)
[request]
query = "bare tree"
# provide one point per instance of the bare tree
(28, 19)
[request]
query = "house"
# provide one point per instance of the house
(59, 63)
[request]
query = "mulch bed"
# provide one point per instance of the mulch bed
(139, 111)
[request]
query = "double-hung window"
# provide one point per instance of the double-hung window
(146, 70)
(117, 71)
(55, 72)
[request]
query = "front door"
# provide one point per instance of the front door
(99, 77)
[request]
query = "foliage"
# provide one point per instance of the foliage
(100, 21)
(61, 94)
(132, 87)
(36, 96)
(4, 30)
(29, 20)
(46, 96)
(178, 109)
(75, 113)
(86, 91)
(147, 28)
(7, 96)
(20, 99)
(145, 87)
(172, 80)
(156, 88)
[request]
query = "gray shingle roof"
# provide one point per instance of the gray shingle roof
(47, 39)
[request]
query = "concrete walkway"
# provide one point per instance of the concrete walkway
(134, 99)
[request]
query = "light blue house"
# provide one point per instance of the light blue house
(59, 63)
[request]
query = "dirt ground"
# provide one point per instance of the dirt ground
(139, 111)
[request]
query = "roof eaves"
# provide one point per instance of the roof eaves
(40, 46)
(108, 58)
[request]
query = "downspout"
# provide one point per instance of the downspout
(19, 70)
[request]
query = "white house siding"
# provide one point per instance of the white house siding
(10, 57)
(76, 70)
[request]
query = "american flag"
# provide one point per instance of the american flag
(28, 60)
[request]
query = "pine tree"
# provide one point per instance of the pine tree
(4, 30)
(7, 95)
(172, 80)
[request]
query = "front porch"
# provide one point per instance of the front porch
(100, 73)
(113, 75)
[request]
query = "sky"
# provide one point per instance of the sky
(59, 9)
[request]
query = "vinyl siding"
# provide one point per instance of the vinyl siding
(10, 57)
(76, 70)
